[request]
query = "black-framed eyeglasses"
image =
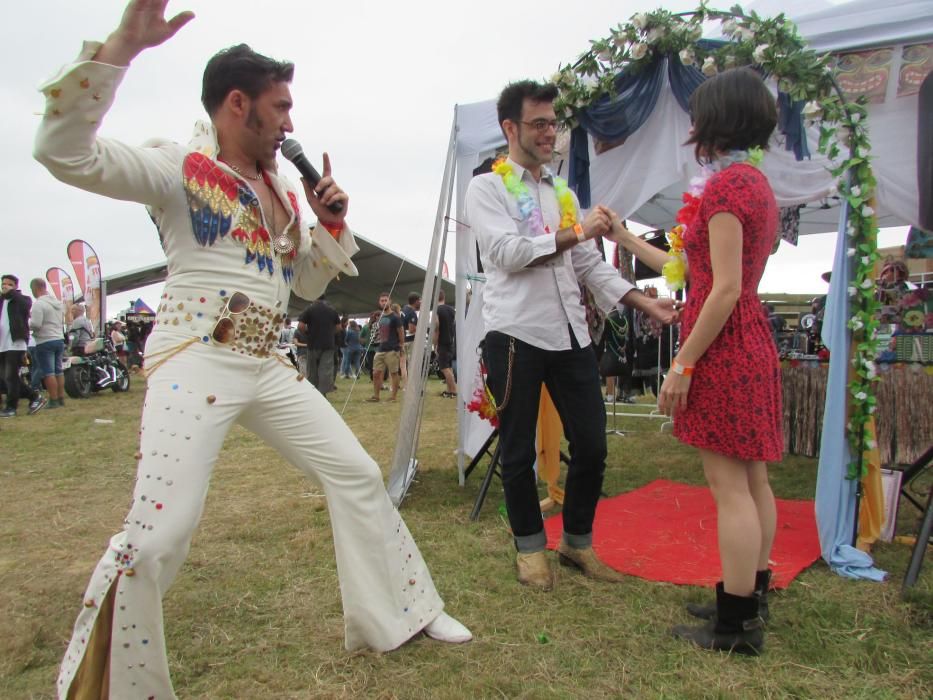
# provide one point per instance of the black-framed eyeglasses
(225, 330)
(542, 125)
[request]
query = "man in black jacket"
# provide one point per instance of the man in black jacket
(14, 335)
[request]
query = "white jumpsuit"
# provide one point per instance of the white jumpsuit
(213, 232)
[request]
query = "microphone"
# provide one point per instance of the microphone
(292, 150)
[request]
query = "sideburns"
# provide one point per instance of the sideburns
(253, 121)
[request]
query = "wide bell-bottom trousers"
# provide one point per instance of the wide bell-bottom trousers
(192, 401)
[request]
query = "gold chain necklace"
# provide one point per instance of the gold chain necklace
(246, 175)
(282, 243)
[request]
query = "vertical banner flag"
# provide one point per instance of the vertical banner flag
(87, 272)
(63, 289)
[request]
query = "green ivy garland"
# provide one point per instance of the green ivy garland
(775, 46)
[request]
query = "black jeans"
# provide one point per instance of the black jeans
(10, 362)
(572, 379)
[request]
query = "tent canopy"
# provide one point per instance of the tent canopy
(380, 270)
(141, 307)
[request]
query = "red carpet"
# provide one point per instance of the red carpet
(666, 531)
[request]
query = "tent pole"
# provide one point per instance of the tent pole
(404, 463)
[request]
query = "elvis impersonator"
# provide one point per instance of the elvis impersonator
(236, 246)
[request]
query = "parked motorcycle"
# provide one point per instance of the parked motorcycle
(95, 368)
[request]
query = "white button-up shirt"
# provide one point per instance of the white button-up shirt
(535, 304)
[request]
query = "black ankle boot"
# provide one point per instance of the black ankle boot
(735, 627)
(762, 583)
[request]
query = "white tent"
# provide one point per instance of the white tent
(643, 178)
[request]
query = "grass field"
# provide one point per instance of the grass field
(255, 612)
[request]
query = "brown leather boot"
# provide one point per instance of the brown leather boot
(535, 570)
(587, 561)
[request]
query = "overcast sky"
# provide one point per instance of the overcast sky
(375, 85)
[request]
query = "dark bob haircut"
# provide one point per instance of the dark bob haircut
(733, 110)
(513, 97)
(240, 68)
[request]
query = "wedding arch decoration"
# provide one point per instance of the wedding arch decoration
(808, 95)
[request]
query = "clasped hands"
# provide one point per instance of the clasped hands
(603, 221)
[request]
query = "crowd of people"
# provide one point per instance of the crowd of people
(36, 334)
(325, 344)
(537, 248)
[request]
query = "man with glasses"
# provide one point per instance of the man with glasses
(236, 245)
(536, 251)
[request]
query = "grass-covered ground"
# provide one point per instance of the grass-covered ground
(255, 612)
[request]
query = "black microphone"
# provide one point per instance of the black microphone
(292, 150)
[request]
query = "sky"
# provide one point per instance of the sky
(375, 85)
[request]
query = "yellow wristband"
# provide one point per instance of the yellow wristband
(581, 235)
(678, 368)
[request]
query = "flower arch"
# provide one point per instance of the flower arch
(807, 86)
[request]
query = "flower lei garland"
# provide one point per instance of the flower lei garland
(483, 402)
(675, 269)
(774, 45)
(527, 206)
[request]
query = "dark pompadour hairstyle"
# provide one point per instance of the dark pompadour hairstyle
(512, 98)
(733, 110)
(240, 68)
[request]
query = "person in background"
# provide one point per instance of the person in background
(47, 324)
(444, 344)
(287, 333)
(353, 352)
(391, 338)
(300, 341)
(340, 346)
(724, 387)
(369, 339)
(410, 323)
(320, 323)
(118, 338)
(775, 321)
(14, 338)
(81, 330)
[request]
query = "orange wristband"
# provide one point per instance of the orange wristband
(334, 229)
(581, 235)
(678, 368)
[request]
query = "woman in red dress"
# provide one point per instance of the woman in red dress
(724, 387)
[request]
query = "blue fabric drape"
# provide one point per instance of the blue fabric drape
(835, 494)
(613, 120)
(790, 123)
(637, 94)
(578, 176)
(684, 80)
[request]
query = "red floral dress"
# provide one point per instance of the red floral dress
(734, 404)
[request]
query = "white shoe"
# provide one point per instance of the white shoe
(444, 628)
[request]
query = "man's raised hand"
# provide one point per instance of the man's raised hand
(143, 26)
(325, 193)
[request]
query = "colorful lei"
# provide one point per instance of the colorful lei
(528, 208)
(675, 269)
(483, 402)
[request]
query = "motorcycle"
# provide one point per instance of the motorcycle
(96, 368)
